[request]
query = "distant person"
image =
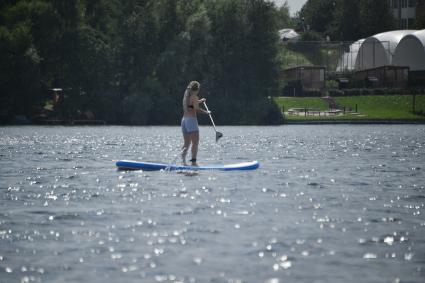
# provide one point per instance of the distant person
(189, 122)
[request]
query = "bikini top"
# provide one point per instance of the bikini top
(186, 105)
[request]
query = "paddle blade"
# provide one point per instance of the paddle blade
(218, 135)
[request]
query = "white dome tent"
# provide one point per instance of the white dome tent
(348, 59)
(410, 51)
(288, 35)
(378, 50)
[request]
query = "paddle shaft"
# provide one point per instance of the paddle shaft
(209, 114)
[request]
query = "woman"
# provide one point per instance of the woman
(189, 122)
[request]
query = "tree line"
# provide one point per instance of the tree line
(128, 62)
(348, 20)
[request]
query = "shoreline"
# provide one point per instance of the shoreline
(356, 122)
(300, 122)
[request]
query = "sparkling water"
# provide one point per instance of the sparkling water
(334, 203)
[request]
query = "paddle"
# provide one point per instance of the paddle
(218, 135)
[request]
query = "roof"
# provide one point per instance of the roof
(348, 59)
(411, 51)
(288, 35)
(378, 50)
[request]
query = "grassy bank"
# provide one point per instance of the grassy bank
(388, 108)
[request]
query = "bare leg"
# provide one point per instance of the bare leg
(185, 147)
(194, 138)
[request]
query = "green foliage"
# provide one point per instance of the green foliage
(137, 108)
(420, 16)
(283, 17)
(289, 58)
(346, 19)
(310, 46)
(256, 111)
(346, 24)
(376, 17)
(318, 14)
(19, 58)
(129, 61)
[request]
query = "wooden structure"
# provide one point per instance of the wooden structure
(380, 77)
(310, 77)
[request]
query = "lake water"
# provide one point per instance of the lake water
(330, 203)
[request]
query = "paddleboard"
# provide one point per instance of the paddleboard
(150, 166)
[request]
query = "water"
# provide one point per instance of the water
(328, 204)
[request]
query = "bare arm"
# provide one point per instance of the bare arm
(196, 103)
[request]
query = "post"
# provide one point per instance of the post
(356, 107)
(414, 103)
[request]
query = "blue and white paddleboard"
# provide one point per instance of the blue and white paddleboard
(149, 166)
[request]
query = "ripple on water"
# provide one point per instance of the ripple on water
(328, 200)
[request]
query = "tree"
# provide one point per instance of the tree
(19, 61)
(318, 15)
(348, 20)
(138, 52)
(376, 17)
(283, 18)
(136, 56)
(261, 46)
(228, 30)
(420, 15)
(346, 23)
(103, 16)
(243, 52)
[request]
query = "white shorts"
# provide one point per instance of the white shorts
(189, 125)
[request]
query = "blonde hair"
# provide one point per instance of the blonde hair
(192, 86)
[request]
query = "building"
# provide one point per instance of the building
(393, 59)
(383, 76)
(347, 62)
(286, 35)
(405, 12)
(377, 50)
(304, 78)
(411, 51)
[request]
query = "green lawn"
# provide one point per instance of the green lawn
(395, 107)
(301, 102)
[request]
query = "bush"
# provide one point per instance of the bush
(272, 114)
(137, 108)
(352, 92)
(331, 84)
(255, 111)
(379, 91)
(311, 93)
(311, 36)
(336, 92)
(309, 45)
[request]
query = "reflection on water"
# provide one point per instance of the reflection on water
(328, 204)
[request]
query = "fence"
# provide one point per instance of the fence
(364, 63)
(336, 57)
